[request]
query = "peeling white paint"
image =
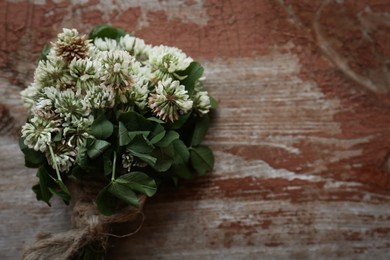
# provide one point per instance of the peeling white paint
(175, 10)
(234, 166)
(275, 122)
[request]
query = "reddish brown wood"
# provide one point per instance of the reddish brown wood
(301, 136)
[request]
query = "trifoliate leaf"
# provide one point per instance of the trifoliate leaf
(140, 144)
(157, 134)
(106, 31)
(141, 148)
(180, 122)
(149, 159)
(83, 160)
(123, 135)
(101, 128)
(155, 119)
(193, 73)
(200, 130)
(139, 181)
(164, 157)
(33, 159)
(132, 134)
(107, 166)
(44, 184)
(38, 193)
(135, 122)
(97, 148)
(106, 202)
(168, 138)
(202, 159)
(124, 193)
(181, 152)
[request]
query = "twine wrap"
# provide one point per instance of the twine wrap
(90, 226)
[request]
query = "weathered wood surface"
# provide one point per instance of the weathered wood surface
(302, 134)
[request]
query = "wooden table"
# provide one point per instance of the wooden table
(301, 136)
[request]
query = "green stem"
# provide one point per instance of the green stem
(113, 167)
(53, 158)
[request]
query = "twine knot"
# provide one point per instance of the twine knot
(90, 227)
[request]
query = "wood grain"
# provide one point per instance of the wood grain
(302, 147)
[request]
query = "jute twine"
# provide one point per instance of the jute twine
(90, 226)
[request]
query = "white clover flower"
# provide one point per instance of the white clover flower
(106, 44)
(70, 45)
(120, 72)
(43, 104)
(38, 133)
(86, 73)
(127, 161)
(165, 61)
(100, 97)
(29, 95)
(117, 67)
(45, 99)
(77, 133)
(70, 106)
(52, 73)
(51, 93)
(64, 156)
(138, 95)
(67, 34)
(93, 52)
(144, 71)
(170, 99)
(135, 46)
(202, 103)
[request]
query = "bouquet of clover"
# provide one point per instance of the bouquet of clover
(111, 118)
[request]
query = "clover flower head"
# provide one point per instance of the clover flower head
(138, 95)
(165, 61)
(93, 52)
(169, 99)
(77, 132)
(29, 95)
(86, 73)
(202, 103)
(144, 71)
(70, 106)
(45, 99)
(64, 156)
(52, 73)
(106, 44)
(43, 104)
(100, 97)
(37, 133)
(135, 46)
(127, 161)
(71, 45)
(117, 68)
